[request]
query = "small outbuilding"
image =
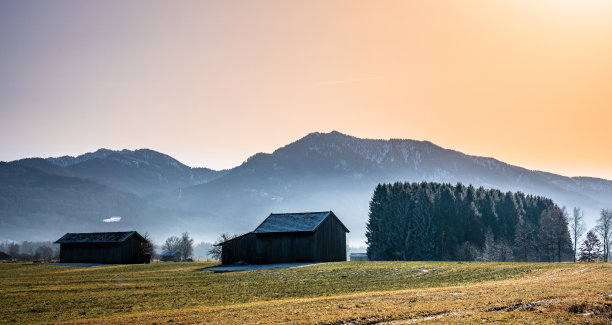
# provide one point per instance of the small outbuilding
(358, 257)
(4, 256)
(289, 237)
(103, 247)
(170, 256)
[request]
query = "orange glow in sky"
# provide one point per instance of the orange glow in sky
(211, 83)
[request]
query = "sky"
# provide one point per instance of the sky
(528, 82)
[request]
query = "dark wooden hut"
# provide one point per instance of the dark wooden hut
(290, 237)
(170, 256)
(103, 247)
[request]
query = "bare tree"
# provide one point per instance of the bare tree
(172, 244)
(182, 245)
(554, 236)
(148, 247)
(44, 253)
(489, 250)
(13, 250)
(504, 251)
(590, 250)
(604, 228)
(215, 251)
(547, 234)
(524, 239)
(468, 252)
(577, 227)
(495, 250)
(186, 246)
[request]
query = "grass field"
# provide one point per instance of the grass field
(336, 293)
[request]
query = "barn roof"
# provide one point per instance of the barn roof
(294, 222)
(232, 239)
(97, 237)
(169, 253)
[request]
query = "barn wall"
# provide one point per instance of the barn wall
(330, 241)
(269, 248)
(285, 247)
(131, 251)
(127, 252)
(239, 249)
(90, 253)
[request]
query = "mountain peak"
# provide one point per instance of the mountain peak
(65, 161)
(325, 134)
(102, 153)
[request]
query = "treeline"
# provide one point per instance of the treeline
(433, 221)
(30, 250)
(185, 248)
(47, 250)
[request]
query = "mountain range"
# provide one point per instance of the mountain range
(152, 192)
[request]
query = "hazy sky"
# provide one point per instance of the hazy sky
(211, 83)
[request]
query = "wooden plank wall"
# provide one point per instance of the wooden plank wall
(90, 253)
(240, 249)
(285, 247)
(330, 239)
(127, 252)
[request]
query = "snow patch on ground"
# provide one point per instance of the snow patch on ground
(79, 264)
(238, 268)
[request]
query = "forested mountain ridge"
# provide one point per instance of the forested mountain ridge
(321, 171)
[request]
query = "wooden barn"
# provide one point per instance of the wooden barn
(290, 237)
(358, 257)
(103, 247)
(170, 256)
(4, 256)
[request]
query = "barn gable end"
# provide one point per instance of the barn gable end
(330, 239)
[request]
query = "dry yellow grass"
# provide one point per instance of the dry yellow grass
(581, 294)
(548, 293)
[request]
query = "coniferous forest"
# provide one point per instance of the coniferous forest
(433, 221)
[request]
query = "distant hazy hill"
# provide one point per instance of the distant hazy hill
(45, 197)
(36, 204)
(140, 172)
(322, 171)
